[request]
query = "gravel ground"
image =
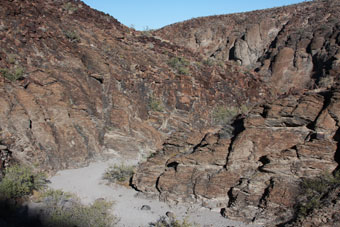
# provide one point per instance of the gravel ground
(88, 185)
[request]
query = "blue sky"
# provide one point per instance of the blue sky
(154, 14)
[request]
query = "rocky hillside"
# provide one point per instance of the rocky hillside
(240, 108)
(287, 45)
(251, 169)
(76, 84)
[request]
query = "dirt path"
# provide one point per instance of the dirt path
(88, 185)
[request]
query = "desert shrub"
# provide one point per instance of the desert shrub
(155, 104)
(313, 190)
(119, 173)
(224, 114)
(12, 74)
(180, 65)
(72, 36)
(20, 181)
(70, 7)
(64, 209)
(170, 222)
(11, 58)
(326, 82)
(147, 31)
(208, 62)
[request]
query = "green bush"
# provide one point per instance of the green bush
(155, 104)
(69, 7)
(171, 222)
(11, 58)
(224, 114)
(313, 190)
(20, 181)
(64, 209)
(326, 82)
(180, 65)
(208, 62)
(119, 173)
(72, 36)
(12, 74)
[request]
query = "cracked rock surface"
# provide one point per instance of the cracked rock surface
(251, 169)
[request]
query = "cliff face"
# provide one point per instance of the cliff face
(89, 86)
(287, 45)
(77, 85)
(251, 169)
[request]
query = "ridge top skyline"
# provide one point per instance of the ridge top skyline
(155, 14)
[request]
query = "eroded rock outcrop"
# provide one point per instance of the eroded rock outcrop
(89, 86)
(76, 85)
(250, 170)
(289, 46)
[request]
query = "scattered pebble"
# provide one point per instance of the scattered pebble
(145, 207)
(169, 214)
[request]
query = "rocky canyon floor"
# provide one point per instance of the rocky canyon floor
(88, 185)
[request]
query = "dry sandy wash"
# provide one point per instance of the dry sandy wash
(87, 183)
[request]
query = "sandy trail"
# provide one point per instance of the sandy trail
(88, 185)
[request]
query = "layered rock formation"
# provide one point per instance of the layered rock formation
(251, 169)
(327, 215)
(88, 85)
(288, 45)
(76, 85)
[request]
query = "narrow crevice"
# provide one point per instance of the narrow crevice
(194, 149)
(263, 200)
(321, 67)
(30, 124)
(157, 184)
(232, 198)
(327, 100)
(337, 152)
(100, 80)
(232, 54)
(273, 44)
(132, 185)
(238, 128)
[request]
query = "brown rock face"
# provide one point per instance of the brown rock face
(252, 169)
(328, 215)
(77, 85)
(289, 46)
(91, 87)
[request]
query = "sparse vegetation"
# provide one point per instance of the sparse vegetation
(11, 58)
(180, 65)
(69, 7)
(312, 192)
(20, 181)
(72, 36)
(326, 82)
(147, 31)
(119, 173)
(223, 114)
(208, 62)
(171, 222)
(13, 74)
(64, 209)
(155, 104)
